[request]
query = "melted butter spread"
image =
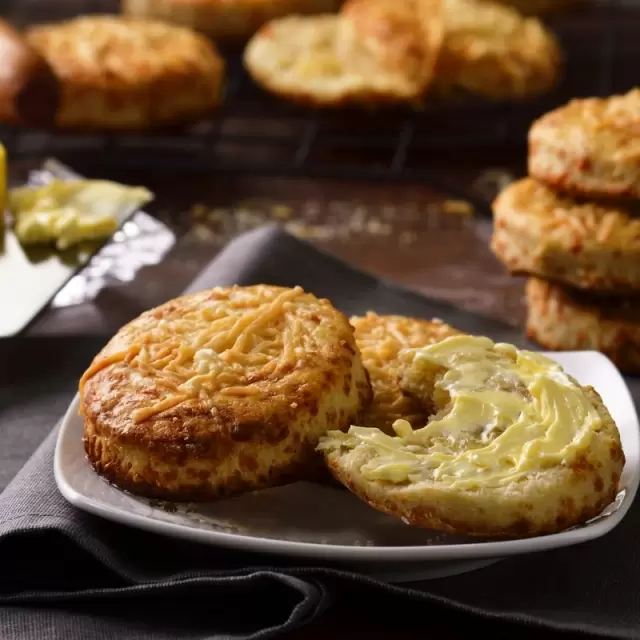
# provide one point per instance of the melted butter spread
(503, 414)
(67, 213)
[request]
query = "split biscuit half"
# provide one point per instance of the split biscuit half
(374, 52)
(466, 476)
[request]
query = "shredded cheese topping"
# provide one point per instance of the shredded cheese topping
(223, 343)
(504, 413)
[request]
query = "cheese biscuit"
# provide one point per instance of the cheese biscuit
(381, 340)
(544, 7)
(568, 320)
(126, 74)
(493, 51)
(221, 392)
(225, 20)
(374, 52)
(589, 147)
(589, 246)
(517, 448)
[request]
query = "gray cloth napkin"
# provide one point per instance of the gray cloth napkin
(67, 574)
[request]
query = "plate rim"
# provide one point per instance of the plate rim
(356, 553)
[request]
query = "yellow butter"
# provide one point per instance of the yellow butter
(503, 414)
(67, 213)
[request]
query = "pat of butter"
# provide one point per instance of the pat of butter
(503, 413)
(67, 213)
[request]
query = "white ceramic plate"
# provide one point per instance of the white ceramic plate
(306, 523)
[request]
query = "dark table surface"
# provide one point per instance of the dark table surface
(405, 232)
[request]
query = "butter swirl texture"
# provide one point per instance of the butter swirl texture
(503, 413)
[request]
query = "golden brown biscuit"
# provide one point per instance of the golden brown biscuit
(588, 246)
(226, 20)
(29, 91)
(221, 392)
(127, 74)
(380, 340)
(406, 36)
(589, 147)
(506, 462)
(385, 55)
(493, 51)
(565, 319)
(544, 7)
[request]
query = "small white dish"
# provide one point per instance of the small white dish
(312, 524)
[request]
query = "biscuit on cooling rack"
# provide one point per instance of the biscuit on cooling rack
(543, 7)
(381, 339)
(590, 147)
(221, 392)
(375, 51)
(127, 74)
(29, 92)
(586, 245)
(493, 51)
(228, 20)
(565, 319)
(517, 448)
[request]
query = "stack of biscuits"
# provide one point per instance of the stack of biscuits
(573, 227)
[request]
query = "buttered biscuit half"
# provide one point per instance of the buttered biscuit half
(221, 392)
(516, 447)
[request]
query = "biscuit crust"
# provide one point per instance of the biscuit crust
(406, 37)
(564, 319)
(543, 502)
(588, 246)
(221, 392)
(129, 74)
(589, 147)
(381, 340)
(372, 53)
(493, 51)
(225, 20)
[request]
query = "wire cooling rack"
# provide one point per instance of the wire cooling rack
(260, 134)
